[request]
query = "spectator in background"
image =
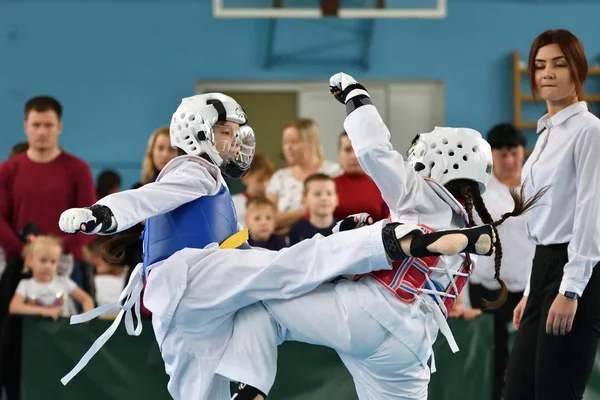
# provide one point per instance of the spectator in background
(158, 153)
(356, 190)
(304, 155)
(320, 199)
(46, 293)
(109, 279)
(108, 182)
(18, 148)
(256, 181)
(508, 153)
(260, 220)
(38, 185)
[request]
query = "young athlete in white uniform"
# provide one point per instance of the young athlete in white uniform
(384, 325)
(194, 285)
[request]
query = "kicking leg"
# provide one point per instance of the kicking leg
(319, 317)
(291, 272)
(391, 372)
(255, 335)
(478, 240)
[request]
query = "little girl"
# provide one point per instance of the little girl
(46, 293)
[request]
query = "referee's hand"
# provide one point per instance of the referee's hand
(518, 312)
(560, 316)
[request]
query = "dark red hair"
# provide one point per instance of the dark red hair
(572, 49)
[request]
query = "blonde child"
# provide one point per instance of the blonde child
(46, 293)
(260, 220)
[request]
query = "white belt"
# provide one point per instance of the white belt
(432, 309)
(130, 296)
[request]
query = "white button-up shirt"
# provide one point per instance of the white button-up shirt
(567, 157)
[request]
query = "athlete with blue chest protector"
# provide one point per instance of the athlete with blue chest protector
(196, 277)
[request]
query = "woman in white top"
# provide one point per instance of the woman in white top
(508, 153)
(558, 319)
(304, 155)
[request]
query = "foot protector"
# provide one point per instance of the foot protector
(392, 233)
(419, 244)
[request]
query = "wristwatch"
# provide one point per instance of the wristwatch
(569, 295)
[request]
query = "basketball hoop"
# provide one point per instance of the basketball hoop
(330, 8)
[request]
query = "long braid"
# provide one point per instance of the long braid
(521, 206)
(467, 192)
(486, 217)
(467, 197)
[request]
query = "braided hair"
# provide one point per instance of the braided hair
(467, 192)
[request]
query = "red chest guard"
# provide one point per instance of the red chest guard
(410, 278)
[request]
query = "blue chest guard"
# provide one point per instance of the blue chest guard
(208, 219)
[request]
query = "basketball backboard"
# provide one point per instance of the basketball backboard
(358, 9)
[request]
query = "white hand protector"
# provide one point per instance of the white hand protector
(344, 88)
(71, 221)
(352, 222)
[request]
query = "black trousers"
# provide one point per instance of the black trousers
(502, 317)
(548, 367)
(10, 331)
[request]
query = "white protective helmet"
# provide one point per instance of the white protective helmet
(447, 154)
(192, 131)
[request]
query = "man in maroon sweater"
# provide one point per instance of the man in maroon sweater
(37, 186)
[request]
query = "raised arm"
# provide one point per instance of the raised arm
(370, 139)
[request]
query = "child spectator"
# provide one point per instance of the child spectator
(260, 220)
(256, 181)
(46, 293)
(320, 198)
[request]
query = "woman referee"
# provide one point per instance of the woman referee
(558, 320)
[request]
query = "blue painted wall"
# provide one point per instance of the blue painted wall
(120, 68)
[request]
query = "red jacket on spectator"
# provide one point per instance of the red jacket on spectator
(357, 194)
(39, 193)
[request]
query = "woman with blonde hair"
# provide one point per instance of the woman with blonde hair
(304, 155)
(158, 154)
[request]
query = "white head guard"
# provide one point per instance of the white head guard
(192, 125)
(447, 154)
